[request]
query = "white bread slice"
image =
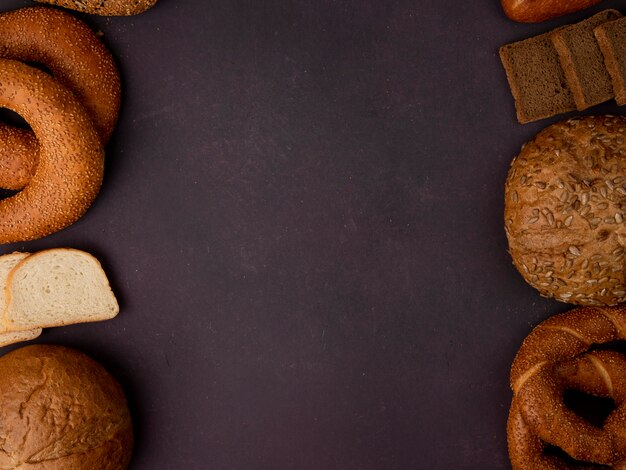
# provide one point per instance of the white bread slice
(12, 337)
(57, 287)
(7, 263)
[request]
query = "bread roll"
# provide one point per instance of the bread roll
(61, 411)
(533, 11)
(565, 211)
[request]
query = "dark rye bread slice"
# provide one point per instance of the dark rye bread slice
(582, 60)
(612, 41)
(536, 78)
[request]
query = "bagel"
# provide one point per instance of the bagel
(538, 395)
(76, 58)
(565, 211)
(105, 7)
(71, 157)
(602, 374)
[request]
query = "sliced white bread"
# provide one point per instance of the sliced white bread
(57, 287)
(13, 337)
(7, 263)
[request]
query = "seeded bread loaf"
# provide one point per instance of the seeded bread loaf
(536, 79)
(533, 11)
(565, 211)
(105, 7)
(61, 411)
(7, 263)
(611, 38)
(57, 287)
(582, 60)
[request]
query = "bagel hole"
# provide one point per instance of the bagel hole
(5, 193)
(617, 346)
(39, 66)
(568, 461)
(12, 119)
(593, 409)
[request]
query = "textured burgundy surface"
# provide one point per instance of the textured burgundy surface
(302, 217)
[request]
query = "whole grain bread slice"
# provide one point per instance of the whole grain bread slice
(583, 62)
(57, 287)
(7, 263)
(536, 78)
(611, 38)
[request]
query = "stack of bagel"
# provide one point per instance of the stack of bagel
(58, 165)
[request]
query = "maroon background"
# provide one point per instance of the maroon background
(302, 218)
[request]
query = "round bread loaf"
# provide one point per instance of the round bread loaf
(61, 411)
(565, 211)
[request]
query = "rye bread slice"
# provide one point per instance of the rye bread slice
(611, 38)
(583, 62)
(536, 78)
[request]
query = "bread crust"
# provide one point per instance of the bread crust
(553, 358)
(534, 11)
(61, 410)
(105, 7)
(76, 58)
(565, 211)
(71, 164)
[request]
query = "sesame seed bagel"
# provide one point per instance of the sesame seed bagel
(601, 374)
(565, 211)
(105, 7)
(76, 58)
(71, 158)
(555, 357)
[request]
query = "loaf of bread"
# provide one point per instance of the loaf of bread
(534, 11)
(57, 287)
(105, 7)
(565, 211)
(61, 411)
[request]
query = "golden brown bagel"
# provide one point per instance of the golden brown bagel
(105, 7)
(76, 58)
(538, 392)
(71, 159)
(601, 373)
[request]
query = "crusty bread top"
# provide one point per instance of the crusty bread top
(58, 287)
(105, 8)
(565, 211)
(61, 410)
(534, 11)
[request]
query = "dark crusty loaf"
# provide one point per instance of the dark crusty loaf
(536, 79)
(61, 411)
(565, 211)
(582, 60)
(611, 38)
